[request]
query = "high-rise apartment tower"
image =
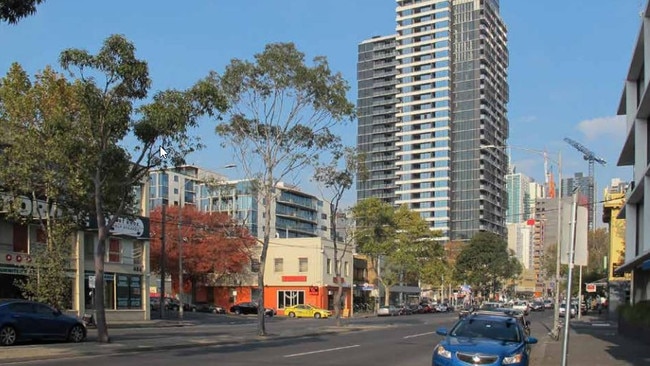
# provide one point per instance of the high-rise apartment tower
(424, 137)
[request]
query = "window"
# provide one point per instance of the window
(278, 265)
(129, 292)
(89, 246)
(346, 269)
(114, 251)
(290, 298)
(303, 264)
(329, 266)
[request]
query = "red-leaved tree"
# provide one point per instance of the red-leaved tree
(214, 245)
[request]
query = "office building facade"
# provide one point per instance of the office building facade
(451, 61)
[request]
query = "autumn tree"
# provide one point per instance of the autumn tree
(485, 262)
(281, 116)
(338, 178)
(39, 183)
(214, 246)
(109, 85)
(11, 11)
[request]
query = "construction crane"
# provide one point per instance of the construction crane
(591, 158)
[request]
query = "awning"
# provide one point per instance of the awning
(631, 265)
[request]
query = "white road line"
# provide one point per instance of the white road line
(321, 351)
(418, 335)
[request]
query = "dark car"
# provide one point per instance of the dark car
(22, 320)
(537, 306)
(250, 308)
(204, 307)
(483, 339)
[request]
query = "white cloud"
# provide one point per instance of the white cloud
(610, 127)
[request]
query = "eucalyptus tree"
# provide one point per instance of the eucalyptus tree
(280, 120)
(12, 11)
(338, 178)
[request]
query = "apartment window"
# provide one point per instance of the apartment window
(346, 269)
(278, 265)
(176, 178)
(290, 298)
(329, 266)
(114, 251)
(303, 264)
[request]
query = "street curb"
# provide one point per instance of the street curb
(137, 349)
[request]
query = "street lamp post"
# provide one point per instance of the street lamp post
(555, 332)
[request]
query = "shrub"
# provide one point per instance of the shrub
(638, 313)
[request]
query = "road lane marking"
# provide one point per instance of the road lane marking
(418, 335)
(321, 351)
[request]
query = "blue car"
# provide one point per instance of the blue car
(483, 339)
(28, 320)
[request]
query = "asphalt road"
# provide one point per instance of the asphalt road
(404, 340)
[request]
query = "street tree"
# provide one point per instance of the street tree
(417, 253)
(214, 246)
(485, 262)
(36, 165)
(12, 11)
(280, 120)
(375, 233)
(109, 85)
(338, 178)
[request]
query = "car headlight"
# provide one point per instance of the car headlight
(513, 359)
(441, 351)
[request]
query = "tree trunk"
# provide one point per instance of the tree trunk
(386, 295)
(100, 313)
(261, 324)
(99, 256)
(337, 302)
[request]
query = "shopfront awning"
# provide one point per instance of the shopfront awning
(634, 263)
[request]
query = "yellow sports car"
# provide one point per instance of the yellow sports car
(306, 311)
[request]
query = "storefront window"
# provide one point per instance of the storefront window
(129, 294)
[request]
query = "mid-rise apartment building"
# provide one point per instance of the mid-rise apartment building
(451, 94)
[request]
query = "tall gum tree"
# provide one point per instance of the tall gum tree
(281, 116)
(12, 11)
(109, 84)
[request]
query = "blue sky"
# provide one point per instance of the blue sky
(568, 59)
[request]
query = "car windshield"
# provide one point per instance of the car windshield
(501, 330)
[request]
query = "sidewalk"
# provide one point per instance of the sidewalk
(593, 341)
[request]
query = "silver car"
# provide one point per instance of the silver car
(388, 311)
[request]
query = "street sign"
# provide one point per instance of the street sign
(91, 281)
(590, 287)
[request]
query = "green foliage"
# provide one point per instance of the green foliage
(47, 279)
(375, 227)
(11, 11)
(279, 121)
(485, 262)
(638, 313)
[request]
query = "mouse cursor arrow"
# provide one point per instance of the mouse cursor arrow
(163, 153)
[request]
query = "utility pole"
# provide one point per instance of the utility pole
(555, 332)
(180, 251)
(163, 254)
(567, 313)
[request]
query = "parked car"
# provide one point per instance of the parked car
(442, 308)
(22, 320)
(250, 308)
(482, 339)
(204, 307)
(306, 311)
(387, 311)
(572, 311)
(522, 306)
(548, 304)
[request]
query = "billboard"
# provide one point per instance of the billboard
(581, 254)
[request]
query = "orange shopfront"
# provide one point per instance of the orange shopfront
(294, 291)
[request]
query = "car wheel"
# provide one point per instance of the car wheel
(194, 310)
(8, 335)
(214, 311)
(238, 312)
(76, 334)
(292, 315)
(317, 316)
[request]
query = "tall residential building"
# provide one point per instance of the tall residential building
(618, 283)
(520, 242)
(518, 195)
(377, 124)
(451, 94)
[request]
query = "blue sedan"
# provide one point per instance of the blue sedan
(481, 339)
(22, 320)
